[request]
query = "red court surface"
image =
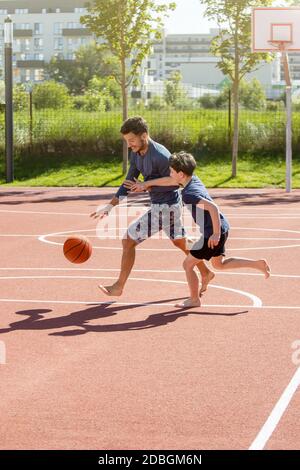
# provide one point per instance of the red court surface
(78, 372)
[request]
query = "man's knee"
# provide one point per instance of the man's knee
(128, 243)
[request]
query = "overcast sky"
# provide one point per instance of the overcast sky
(188, 18)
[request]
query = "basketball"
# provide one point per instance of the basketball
(77, 249)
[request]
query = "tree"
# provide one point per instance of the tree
(253, 95)
(233, 46)
(174, 94)
(90, 61)
(128, 29)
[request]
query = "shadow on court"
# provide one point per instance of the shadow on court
(36, 319)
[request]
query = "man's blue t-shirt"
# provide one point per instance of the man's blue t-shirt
(192, 194)
(154, 164)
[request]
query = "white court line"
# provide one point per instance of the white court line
(232, 216)
(256, 301)
(276, 414)
(22, 235)
(43, 238)
(163, 271)
(147, 304)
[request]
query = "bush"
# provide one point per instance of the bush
(51, 95)
(156, 103)
(90, 102)
(20, 98)
(208, 101)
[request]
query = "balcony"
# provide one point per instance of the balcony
(30, 64)
(23, 33)
(76, 32)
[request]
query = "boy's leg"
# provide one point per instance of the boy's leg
(220, 263)
(193, 281)
(206, 274)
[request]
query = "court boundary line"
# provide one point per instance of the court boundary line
(276, 414)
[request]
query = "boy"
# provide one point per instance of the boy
(213, 224)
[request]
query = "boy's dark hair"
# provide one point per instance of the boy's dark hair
(184, 162)
(137, 125)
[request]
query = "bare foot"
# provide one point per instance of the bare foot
(205, 281)
(189, 303)
(111, 291)
(263, 266)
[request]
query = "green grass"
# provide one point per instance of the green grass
(253, 172)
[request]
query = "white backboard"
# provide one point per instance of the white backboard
(272, 26)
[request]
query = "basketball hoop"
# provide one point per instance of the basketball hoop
(280, 45)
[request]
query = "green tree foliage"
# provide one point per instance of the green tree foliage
(128, 29)
(51, 94)
(233, 47)
(90, 61)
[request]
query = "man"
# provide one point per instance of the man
(150, 159)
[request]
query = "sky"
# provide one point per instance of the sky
(188, 18)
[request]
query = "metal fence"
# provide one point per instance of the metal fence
(193, 118)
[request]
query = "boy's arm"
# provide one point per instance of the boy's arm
(138, 186)
(213, 210)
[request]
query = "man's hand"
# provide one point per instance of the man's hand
(135, 186)
(214, 240)
(102, 211)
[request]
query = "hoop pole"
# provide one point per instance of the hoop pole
(289, 150)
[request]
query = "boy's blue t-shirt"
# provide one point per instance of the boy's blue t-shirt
(154, 164)
(192, 194)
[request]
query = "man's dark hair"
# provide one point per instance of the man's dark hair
(184, 162)
(137, 125)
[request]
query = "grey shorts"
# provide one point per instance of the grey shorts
(159, 217)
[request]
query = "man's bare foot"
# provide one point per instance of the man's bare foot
(205, 281)
(189, 303)
(263, 266)
(111, 291)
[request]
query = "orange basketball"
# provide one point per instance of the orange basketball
(77, 249)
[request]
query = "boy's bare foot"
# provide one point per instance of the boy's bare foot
(112, 291)
(189, 303)
(263, 266)
(205, 281)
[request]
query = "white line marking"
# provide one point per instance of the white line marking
(168, 271)
(38, 235)
(43, 238)
(148, 304)
(232, 216)
(276, 414)
(256, 301)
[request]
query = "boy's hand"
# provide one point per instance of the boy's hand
(102, 212)
(214, 240)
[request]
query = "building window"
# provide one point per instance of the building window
(38, 56)
(3, 12)
(27, 75)
(73, 25)
(57, 10)
(22, 26)
(38, 75)
(21, 11)
(79, 10)
(38, 28)
(38, 44)
(58, 44)
(44, 10)
(71, 56)
(58, 27)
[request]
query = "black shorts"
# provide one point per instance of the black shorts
(207, 253)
